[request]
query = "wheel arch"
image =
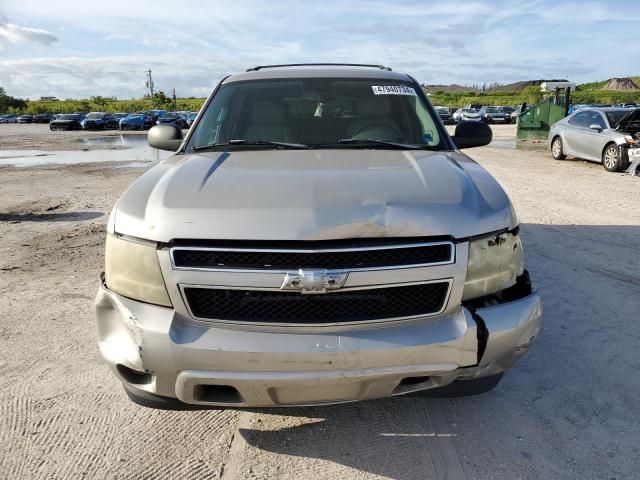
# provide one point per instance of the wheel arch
(607, 145)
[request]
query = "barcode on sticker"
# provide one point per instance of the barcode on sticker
(393, 90)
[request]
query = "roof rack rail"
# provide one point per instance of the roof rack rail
(260, 67)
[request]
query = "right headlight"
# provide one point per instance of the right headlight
(494, 264)
(132, 269)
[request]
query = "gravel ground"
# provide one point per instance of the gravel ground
(567, 410)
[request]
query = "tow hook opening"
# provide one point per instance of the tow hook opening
(135, 377)
(217, 394)
(410, 384)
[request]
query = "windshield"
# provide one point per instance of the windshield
(468, 110)
(68, 117)
(493, 110)
(317, 112)
(95, 116)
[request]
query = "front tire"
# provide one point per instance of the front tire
(613, 159)
(557, 149)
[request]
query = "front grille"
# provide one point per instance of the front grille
(293, 307)
(420, 254)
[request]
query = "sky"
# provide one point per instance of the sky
(78, 49)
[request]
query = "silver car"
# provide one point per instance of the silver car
(466, 115)
(607, 135)
(317, 238)
(492, 115)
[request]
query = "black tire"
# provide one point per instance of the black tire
(557, 149)
(462, 388)
(614, 158)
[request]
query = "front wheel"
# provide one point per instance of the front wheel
(612, 159)
(556, 149)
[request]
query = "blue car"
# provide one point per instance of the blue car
(99, 121)
(136, 121)
(173, 118)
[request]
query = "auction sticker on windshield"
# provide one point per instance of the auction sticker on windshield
(392, 90)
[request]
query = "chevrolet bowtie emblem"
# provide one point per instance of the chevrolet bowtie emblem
(314, 281)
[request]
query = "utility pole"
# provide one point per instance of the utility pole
(149, 84)
(174, 99)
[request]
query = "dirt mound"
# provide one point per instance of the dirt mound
(447, 88)
(620, 84)
(521, 85)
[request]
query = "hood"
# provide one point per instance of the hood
(632, 116)
(313, 195)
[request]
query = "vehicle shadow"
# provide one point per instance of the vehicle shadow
(567, 410)
(49, 217)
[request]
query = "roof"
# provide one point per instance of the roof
(318, 72)
(609, 109)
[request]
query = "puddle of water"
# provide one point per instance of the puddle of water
(127, 140)
(141, 156)
(508, 144)
(136, 165)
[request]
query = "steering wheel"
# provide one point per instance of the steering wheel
(395, 133)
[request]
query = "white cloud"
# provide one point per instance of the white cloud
(121, 76)
(191, 44)
(10, 33)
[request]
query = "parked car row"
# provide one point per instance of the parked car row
(105, 121)
(477, 112)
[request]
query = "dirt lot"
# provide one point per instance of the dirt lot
(16, 136)
(568, 410)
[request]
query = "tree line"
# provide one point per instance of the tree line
(160, 101)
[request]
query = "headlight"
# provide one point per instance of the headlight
(132, 269)
(494, 264)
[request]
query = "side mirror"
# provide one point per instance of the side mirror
(165, 137)
(595, 127)
(472, 134)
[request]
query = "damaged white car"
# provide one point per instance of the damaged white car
(317, 238)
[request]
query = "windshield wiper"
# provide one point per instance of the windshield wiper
(243, 142)
(384, 143)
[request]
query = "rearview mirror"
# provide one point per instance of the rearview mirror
(472, 134)
(596, 127)
(165, 137)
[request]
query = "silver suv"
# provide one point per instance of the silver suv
(317, 238)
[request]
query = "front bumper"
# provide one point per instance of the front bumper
(154, 350)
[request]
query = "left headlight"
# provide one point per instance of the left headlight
(494, 264)
(132, 269)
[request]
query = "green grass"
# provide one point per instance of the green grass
(71, 106)
(585, 93)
